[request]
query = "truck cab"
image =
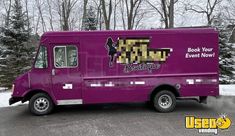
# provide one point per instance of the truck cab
(56, 64)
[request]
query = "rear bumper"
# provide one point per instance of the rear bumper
(13, 100)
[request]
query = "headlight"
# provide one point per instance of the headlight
(13, 87)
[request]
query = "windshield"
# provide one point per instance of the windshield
(41, 60)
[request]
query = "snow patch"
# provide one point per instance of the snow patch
(3, 88)
(227, 90)
(4, 99)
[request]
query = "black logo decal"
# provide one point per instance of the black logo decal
(111, 47)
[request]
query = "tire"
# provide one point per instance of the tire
(164, 101)
(41, 104)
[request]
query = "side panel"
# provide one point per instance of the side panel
(192, 63)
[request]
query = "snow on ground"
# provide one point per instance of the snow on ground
(226, 90)
(4, 99)
(3, 88)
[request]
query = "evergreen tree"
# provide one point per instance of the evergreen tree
(16, 51)
(91, 20)
(226, 52)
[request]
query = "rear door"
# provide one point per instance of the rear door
(66, 74)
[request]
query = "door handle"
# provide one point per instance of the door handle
(53, 72)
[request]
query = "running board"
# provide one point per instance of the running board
(187, 98)
(69, 102)
(201, 99)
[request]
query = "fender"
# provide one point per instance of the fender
(170, 87)
(29, 93)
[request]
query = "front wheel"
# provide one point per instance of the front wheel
(41, 104)
(164, 101)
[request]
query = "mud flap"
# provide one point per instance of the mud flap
(203, 99)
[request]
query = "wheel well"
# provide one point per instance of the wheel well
(164, 87)
(32, 93)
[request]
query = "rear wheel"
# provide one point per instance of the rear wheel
(41, 104)
(164, 101)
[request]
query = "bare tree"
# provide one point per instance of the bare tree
(100, 19)
(132, 7)
(67, 6)
(107, 14)
(229, 12)
(84, 16)
(122, 10)
(27, 14)
(166, 11)
(139, 18)
(50, 14)
(39, 4)
(207, 9)
(116, 3)
(130, 13)
(7, 6)
(171, 13)
(64, 10)
(36, 27)
(28, 20)
(99, 15)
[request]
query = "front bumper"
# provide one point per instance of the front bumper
(13, 100)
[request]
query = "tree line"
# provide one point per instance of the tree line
(48, 15)
(22, 21)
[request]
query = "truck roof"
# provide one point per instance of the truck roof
(160, 31)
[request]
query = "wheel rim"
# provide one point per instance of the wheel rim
(41, 104)
(165, 101)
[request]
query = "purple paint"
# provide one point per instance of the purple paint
(190, 65)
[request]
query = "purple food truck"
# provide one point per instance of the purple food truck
(89, 67)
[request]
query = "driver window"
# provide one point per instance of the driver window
(60, 57)
(71, 56)
(65, 56)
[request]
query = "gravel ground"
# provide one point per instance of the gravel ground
(114, 119)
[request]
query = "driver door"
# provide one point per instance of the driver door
(66, 74)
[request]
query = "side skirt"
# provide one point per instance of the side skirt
(69, 102)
